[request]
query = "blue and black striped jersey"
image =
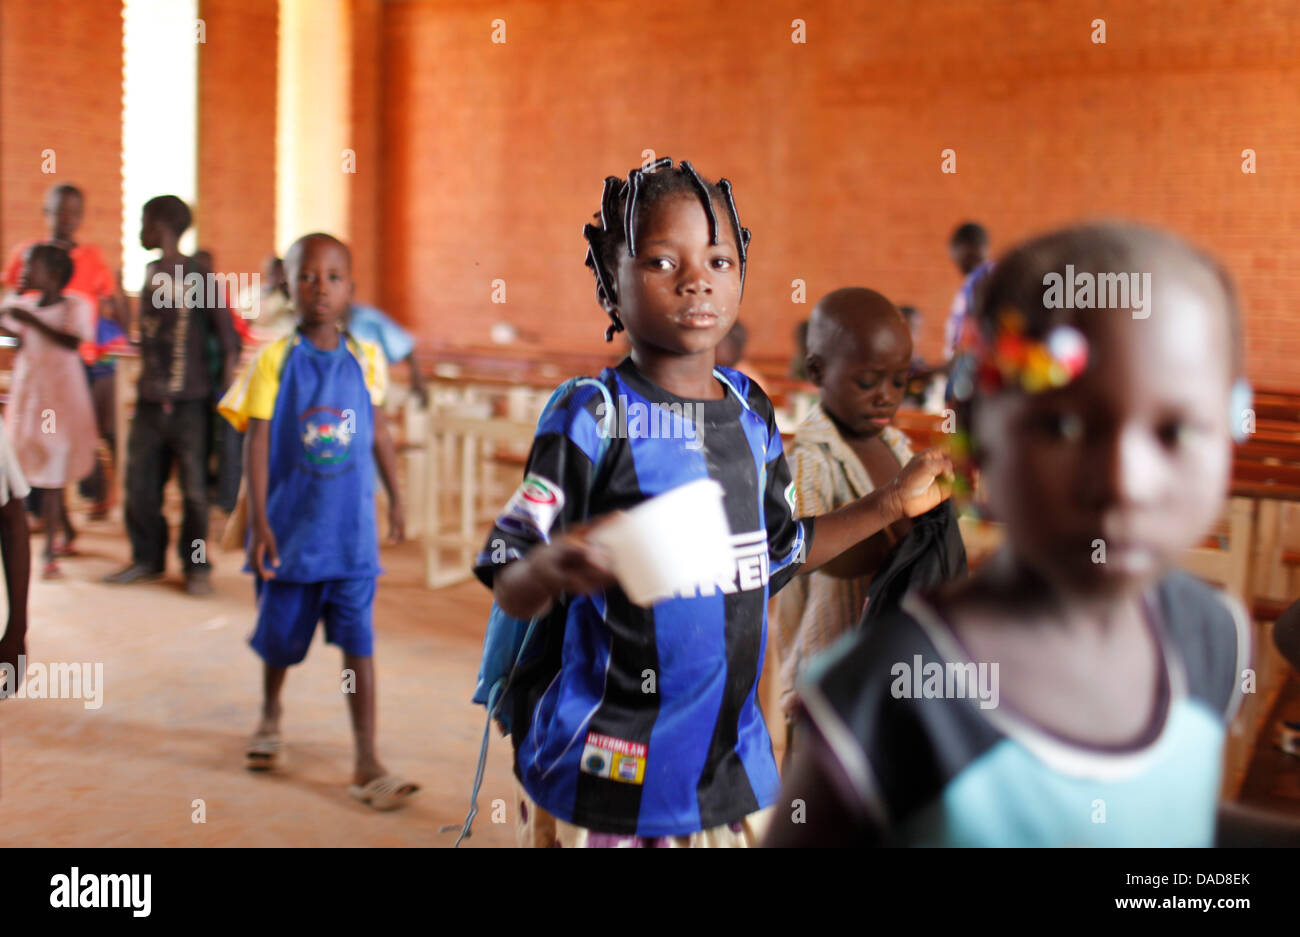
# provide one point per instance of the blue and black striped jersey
(646, 720)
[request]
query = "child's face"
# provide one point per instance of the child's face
(1104, 482)
(35, 275)
(864, 377)
(63, 215)
(680, 295)
(272, 273)
(150, 237)
(967, 256)
(320, 282)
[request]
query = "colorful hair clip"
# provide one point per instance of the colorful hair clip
(1011, 359)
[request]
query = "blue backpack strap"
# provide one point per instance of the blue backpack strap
(502, 627)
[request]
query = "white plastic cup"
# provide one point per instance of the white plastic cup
(670, 544)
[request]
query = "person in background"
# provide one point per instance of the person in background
(969, 249)
(49, 414)
(63, 208)
(373, 325)
(268, 311)
(175, 403)
(859, 354)
(225, 444)
(312, 404)
(731, 351)
(1099, 683)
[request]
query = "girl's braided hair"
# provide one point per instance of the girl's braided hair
(624, 203)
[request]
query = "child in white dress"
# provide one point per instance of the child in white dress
(50, 417)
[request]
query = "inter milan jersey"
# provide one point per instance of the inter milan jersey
(936, 759)
(645, 720)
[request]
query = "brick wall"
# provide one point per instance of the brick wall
(365, 232)
(235, 214)
(494, 153)
(61, 89)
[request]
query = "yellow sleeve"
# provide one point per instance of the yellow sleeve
(375, 367)
(252, 395)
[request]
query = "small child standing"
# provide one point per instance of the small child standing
(1075, 691)
(859, 353)
(311, 404)
(63, 208)
(50, 415)
(640, 726)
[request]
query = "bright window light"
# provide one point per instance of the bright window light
(159, 118)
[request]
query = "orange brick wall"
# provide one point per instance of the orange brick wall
(235, 214)
(61, 89)
(494, 154)
(365, 233)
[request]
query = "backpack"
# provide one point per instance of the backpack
(932, 553)
(508, 642)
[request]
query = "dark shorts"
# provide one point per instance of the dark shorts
(288, 612)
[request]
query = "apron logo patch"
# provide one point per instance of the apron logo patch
(327, 434)
(533, 508)
(614, 759)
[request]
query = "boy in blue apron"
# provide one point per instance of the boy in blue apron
(311, 404)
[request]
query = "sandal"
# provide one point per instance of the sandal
(265, 753)
(66, 548)
(384, 793)
(51, 570)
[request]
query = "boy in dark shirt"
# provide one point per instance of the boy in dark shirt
(174, 401)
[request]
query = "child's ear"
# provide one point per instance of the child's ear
(816, 368)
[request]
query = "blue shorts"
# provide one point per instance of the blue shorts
(288, 612)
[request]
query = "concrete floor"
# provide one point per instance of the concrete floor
(181, 693)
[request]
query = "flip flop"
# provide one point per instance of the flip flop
(265, 753)
(384, 793)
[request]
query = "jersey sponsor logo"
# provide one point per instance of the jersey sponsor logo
(533, 508)
(613, 759)
(327, 434)
(749, 569)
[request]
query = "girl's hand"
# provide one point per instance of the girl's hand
(263, 555)
(396, 523)
(923, 483)
(573, 565)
